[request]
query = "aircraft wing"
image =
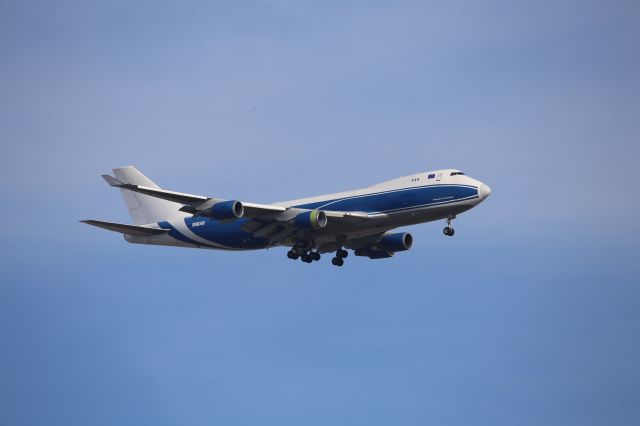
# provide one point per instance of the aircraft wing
(193, 203)
(279, 230)
(254, 210)
(277, 223)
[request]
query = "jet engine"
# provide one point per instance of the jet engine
(224, 210)
(395, 242)
(372, 253)
(387, 246)
(311, 220)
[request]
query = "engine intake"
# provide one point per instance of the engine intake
(311, 220)
(224, 210)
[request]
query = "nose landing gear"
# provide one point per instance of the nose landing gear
(448, 230)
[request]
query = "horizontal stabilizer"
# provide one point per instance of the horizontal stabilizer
(138, 231)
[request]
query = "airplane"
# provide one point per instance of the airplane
(361, 220)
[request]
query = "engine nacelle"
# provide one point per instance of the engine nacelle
(395, 242)
(372, 253)
(311, 220)
(224, 210)
(387, 246)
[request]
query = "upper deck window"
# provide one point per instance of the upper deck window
(457, 173)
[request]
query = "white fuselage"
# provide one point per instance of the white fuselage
(407, 200)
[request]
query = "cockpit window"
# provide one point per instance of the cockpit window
(457, 173)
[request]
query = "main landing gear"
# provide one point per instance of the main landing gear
(341, 254)
(448, 230)
(308, 256)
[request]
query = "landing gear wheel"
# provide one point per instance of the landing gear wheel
(338, 261)
(306, 258)
(292, 255)
(342, 254)
(315, 255)
(448, 230)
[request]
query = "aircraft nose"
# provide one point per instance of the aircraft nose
(484, 191)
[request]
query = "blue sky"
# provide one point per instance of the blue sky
(529, 315)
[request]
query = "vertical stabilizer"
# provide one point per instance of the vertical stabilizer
(144, 208)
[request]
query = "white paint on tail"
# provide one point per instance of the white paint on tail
(145, 209)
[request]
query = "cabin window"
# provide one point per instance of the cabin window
(431, 176)
(457, 173)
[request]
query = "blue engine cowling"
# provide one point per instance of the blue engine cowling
(395, 242)
(224, 210)
(387, 246)
(311, 220)
(372, 253)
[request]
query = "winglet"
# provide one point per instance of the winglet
(112, 181)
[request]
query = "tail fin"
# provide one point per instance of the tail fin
(144, 209)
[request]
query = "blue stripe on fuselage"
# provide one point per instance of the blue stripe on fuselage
(173, 232)
(398, 199)
(227, 233)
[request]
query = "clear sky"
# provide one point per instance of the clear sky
(528, 316)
